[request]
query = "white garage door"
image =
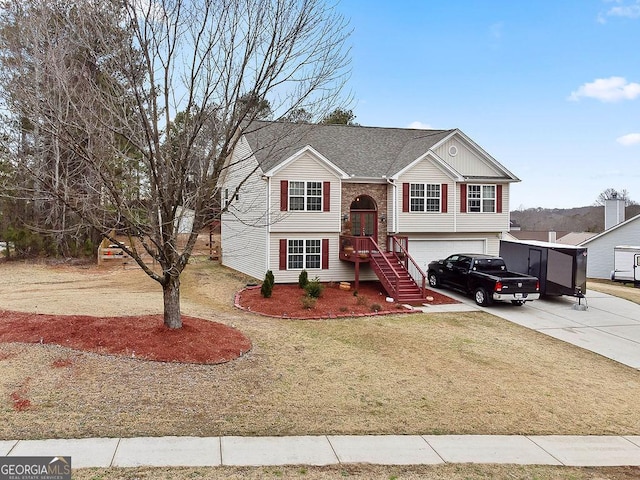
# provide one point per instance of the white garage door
(425, 251)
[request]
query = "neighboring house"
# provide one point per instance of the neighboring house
(566, 238)
(600, 247)
(315, 192)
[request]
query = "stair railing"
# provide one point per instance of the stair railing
(398, 245)
(390, 283)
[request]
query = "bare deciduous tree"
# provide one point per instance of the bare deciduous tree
(136, 104)
(612, 193)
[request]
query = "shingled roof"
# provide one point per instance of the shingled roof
(361, 152)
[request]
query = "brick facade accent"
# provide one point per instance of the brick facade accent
(377, 191)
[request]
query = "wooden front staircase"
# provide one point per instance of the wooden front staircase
(397, 271)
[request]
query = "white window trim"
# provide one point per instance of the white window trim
(482, 197)
(304, 253)
(305, 196)
(425, 198)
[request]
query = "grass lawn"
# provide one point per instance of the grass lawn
(463, 373)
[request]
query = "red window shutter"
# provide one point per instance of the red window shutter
(326, 196)
(444, 199)
(405, 197)
(284, 195)
(498, 198)
(325, 253)
(283, 254)
(463, 198)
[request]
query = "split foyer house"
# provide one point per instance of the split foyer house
(350, 203)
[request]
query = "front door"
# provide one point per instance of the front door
(363, 224)
(364, 217)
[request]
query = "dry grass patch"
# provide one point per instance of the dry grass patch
(628, 291)
(406, 374)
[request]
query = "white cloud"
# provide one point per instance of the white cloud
(629, 139)
(623, 8)
(610, 89)
(420, 126)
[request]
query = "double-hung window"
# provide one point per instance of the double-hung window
(303, 254)
(305, 196)
(481, 198)
(424, 197)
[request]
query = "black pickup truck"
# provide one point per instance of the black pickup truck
(484, 276)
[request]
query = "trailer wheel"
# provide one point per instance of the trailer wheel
(433, 279)
(481, 297)
(518, 303)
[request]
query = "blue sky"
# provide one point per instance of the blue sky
(549, 88)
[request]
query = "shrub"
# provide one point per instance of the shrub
(314, 288)
(361, 300)
(303, 279)
(270, 276)
(267, 286)
(308, 302)
(376, 307)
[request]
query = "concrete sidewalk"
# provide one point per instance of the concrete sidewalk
(594, 451)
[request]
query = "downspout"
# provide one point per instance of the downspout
(456, 207)
(268, 218)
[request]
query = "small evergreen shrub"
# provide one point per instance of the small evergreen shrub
(270, 276)
(376, 307)
(267, 286)
(314, 288)
(303, 279)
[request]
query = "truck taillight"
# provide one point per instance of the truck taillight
(538, 286)
(498, 286)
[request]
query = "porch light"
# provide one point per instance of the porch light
(383, 218)
(345, 217)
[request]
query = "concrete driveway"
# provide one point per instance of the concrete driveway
(610, 326)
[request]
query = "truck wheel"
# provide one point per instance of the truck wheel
(519, 303)
(481, 297)
(433, 280)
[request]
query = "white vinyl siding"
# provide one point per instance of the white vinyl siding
(338, 270)
(425, 173)
(466, 161)
(309, 171)
(601, 248)
(244, 228)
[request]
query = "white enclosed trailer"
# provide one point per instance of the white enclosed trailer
(626, 264)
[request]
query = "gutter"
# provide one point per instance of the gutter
(268, 218)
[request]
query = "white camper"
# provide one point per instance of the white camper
(626, 264)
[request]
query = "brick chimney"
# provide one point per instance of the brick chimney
(613, 212)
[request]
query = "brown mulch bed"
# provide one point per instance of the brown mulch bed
(143, 337)
(287, 302)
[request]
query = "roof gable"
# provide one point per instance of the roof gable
(612, 229)
(313, 153)
(362, 152)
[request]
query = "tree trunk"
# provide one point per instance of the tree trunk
(171, 294)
